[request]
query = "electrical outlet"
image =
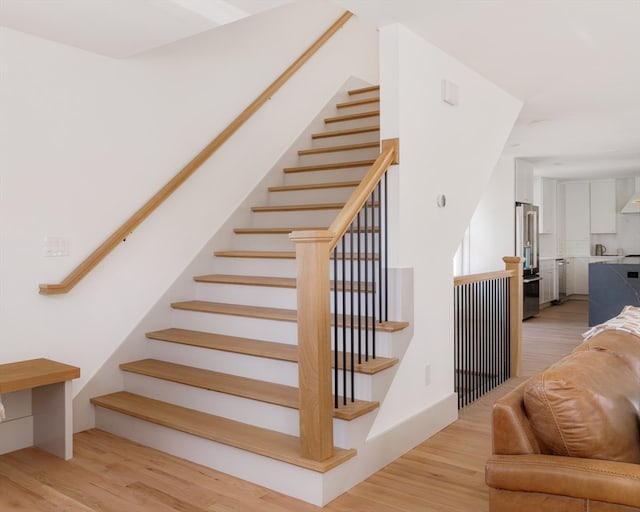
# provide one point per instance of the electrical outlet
(55, 246)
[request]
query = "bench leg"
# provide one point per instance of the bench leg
(53, 419)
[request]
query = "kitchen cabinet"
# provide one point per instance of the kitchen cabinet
(548, 283)
(576, 218)
(524, 182)
(578, 276)
(603, 206)
(544, 195)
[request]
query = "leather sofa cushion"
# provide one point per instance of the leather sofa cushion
(586, 405)
(623, 344)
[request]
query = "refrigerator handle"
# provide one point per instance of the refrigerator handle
(533, 226)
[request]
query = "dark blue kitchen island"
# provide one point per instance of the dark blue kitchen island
(612, 286)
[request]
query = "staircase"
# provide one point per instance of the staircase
(219, 386)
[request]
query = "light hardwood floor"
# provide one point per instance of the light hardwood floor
(443, 474)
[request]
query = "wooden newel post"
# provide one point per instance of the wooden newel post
(514, 264)
(314, 343)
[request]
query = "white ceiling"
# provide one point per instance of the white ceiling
(574, 63)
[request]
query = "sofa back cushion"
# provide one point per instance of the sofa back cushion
(586, 405)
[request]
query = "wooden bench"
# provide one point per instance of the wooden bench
(51, 403)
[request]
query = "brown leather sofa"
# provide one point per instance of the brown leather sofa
(568, 439)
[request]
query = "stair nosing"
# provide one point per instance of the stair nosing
(329, 167)
(268, 313)
(363, 90)
(357, 103)
(335, 149)
(352, 117)
(315, 186)
(284, 447)
(346, 132)
(269, 281)
(267, 349)
(288, 255)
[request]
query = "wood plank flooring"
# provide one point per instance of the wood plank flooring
(443, 474)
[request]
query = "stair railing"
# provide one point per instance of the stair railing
(91, 261)
(364, 212)
(487, 330)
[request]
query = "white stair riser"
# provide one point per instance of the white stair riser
(325, 176)
(279, 476)
(353, 123)
(272, 370)
(266, 296)
(300, 218)
(285, 267)
(282, 242)
(273, 297)
(254, 328)
(256, 266)
(352, 138)
(339, 156)
(263, 242)
(253, 412)
(321, 195)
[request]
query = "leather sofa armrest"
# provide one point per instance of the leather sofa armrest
(599, 480)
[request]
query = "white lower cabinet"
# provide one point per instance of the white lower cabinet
(578, 276)
(548, 283)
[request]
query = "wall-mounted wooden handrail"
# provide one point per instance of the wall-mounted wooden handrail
(136, 219)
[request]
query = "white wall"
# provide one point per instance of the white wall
(492, 227)
(85, 140)
(443, 149)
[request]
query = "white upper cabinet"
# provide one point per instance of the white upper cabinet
(544, 195)
(576, 218)
(603, 206)
(524, 181)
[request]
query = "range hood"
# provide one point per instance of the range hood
(633, 205)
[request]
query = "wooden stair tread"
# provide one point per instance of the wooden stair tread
(364, 90)
(348, 131)
(286, 255)
(344, 147)
(287, 230)
(329, 167)
(251, 347)
(275, 282)
(352, 117)
(225, 343)
(356, 103)
(267, 313)
(268, 392)
(315, 186)
(275, 230)
(297, 207)
(268, 443)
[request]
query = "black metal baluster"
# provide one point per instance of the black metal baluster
(366, 295)
(335, 328)
(386, 252)
(344, 323)
(366, 280)
(351, 291)
(373, 277)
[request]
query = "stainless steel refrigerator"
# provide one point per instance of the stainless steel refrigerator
(527, 248)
